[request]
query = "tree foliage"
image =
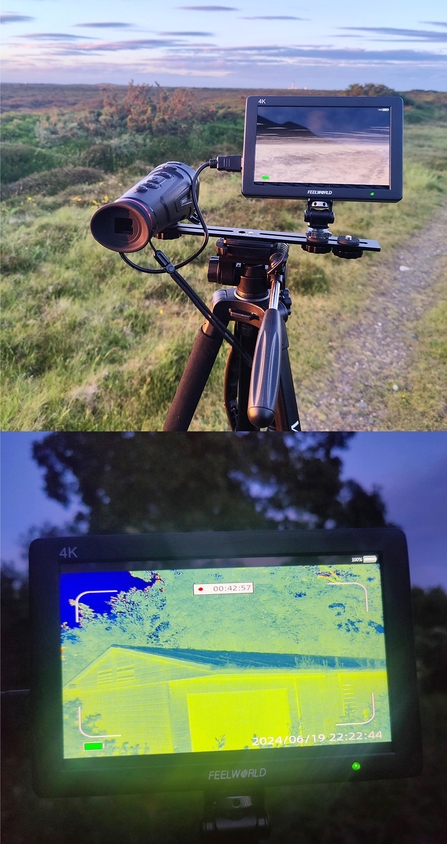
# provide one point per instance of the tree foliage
(146, 482)
(430, 622)
(370, 90)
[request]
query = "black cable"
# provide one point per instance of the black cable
(202, 306)
(195, 299)
(171, 269)
(200, 216)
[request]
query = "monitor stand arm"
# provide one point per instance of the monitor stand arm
(236, 819)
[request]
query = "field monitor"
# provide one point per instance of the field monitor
(338, 148)
(202, 661)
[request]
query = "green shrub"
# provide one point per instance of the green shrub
(54, 181)
(415, 116)
(19, 127)
(100, 155)
(116, 154)
(223, 136)
(19, 160)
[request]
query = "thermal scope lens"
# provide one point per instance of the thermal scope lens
(123, 225)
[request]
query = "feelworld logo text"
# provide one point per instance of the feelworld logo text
(235, 774)
(324, 192)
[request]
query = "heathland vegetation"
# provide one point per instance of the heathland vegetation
(88, 344)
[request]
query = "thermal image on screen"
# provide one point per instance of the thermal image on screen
(337, 146)
(223, 658)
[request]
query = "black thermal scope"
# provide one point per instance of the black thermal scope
(162, 198)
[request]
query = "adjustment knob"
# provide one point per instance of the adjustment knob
(319, 248)
(213, 270)
(348, 247)
(348, 240)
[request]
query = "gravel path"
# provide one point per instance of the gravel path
(379, 350)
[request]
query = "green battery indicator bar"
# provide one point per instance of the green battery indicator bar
(265, 177)
(93, 745)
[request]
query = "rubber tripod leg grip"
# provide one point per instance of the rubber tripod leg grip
(192, 383)
(265, 372)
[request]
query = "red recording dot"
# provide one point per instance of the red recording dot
(200, 588)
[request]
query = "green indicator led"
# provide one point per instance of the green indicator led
(356, 766)
(372, 193)
(93, 745)
(265, 177)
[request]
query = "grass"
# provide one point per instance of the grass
(89, 344)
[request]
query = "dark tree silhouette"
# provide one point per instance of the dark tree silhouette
(430, 627)
(150, 481)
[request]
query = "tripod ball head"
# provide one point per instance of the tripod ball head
(162, 198)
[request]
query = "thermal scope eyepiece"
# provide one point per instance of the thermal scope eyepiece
(163, 197)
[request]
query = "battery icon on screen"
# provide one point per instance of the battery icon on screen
(93, 745)
(371, 558)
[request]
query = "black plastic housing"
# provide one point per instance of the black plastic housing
(54, 776)
(163, 197)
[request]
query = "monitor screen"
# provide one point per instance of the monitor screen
(331, 146)
(339, 147)
(192, 660)
(181, 661)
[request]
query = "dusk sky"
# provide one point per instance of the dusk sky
(409, 468)
(245, 43)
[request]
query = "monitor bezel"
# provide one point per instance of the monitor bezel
(318, 191)
(54, 776)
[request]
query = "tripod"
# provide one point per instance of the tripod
(258, 389)
(256, 394)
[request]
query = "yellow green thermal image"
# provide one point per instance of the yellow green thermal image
(207, 659)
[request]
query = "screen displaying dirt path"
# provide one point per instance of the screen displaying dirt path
(323, 145)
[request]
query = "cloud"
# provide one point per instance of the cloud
(189, 57)
(202, 67)
(176, 57)
(116, 46)
(419, 34)
(282, 55)
(8, 17)
(435, 23)
(194, 34)
(54, 36)
(106, 24)
(209, 8)
(274, 18)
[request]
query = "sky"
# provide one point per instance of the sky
(234, 43)
(409, 468)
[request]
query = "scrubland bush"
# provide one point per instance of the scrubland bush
(19, 160)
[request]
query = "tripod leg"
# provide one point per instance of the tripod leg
(230, 388)
(193, 381)
(237, 381)
(286, 417)
(247, 335)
